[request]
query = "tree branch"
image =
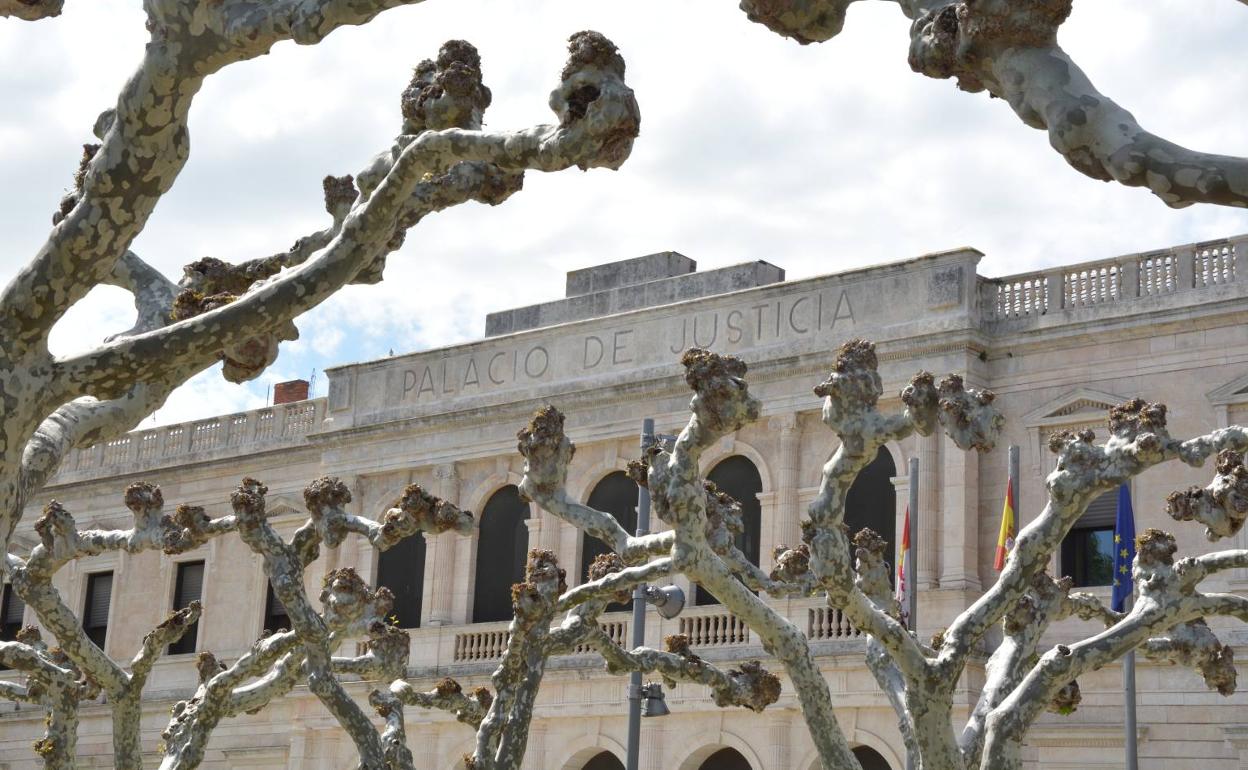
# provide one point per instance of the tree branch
(31, 10)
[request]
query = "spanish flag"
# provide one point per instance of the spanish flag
(1005, 541)
(903, 595)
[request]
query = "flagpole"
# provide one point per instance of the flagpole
(912, 572)
(1120, 601)
(1128, 684)
(1014, 480)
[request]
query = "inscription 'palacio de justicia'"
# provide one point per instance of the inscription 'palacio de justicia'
(638, 344)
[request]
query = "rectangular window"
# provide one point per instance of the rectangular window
(1087, 554)
(11, 609)
(95, 612)
(188, 588)
(275, 617)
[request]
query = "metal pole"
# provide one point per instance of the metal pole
(639, 616)
(912, 572)
(1014, 481)
(1128, 685)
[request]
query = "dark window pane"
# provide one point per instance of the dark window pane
(11, 614)
(1088, 556)
(11, 609)
(401, 568)
(617, 495)
(872, 502)
(95, 612)
(502, 549)
(1087, 553)
(275, 617)
(604, 761)
(737, 477)
(187, 588)
(726, 759)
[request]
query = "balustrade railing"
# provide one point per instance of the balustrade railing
(829, 623)
(488, 644)
(616, 629)
(280, 425)
(714, 629)
(1091, 284)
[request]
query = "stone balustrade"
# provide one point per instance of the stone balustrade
(823, 622)
(1194, 267)
(278, 426)
(713, 626)
(488, 641)
(709, 626)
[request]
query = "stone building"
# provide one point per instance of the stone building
(1059, 347)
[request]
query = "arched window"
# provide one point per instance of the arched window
(604, 761)
(870, 759)
(738, 477)
(726, 759)
(502, 549)
(616, 494)
(401, 568)
(872, 502)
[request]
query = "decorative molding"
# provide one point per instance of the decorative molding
(1233, 392)
(1084, 735)
(1077, 407)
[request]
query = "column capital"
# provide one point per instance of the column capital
(785, 423)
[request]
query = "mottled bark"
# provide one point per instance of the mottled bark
(31, 10)
(239, 314)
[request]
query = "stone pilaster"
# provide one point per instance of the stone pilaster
(535, 751)
(960, 523)
(652, 745)
(930, 514)
(440, 553)
(778, 733)
(785, 527)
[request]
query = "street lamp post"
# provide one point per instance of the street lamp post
(669, 601)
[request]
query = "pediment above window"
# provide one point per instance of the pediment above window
(1077, 407)
(1233, 392)
(281, 506)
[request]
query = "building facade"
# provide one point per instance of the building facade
(1059, 347)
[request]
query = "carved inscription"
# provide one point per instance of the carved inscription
(648, 342)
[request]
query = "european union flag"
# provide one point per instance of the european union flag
(1124, 550)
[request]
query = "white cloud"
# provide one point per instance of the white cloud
(816, 158)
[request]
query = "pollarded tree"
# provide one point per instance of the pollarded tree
(235, 313)
(239, 314)
(919, 678)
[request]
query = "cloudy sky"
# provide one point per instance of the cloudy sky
(815, 158)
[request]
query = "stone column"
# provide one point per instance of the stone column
(960, 530)
(786, 529)
(778, 734)
(930, 515)
(440, 553)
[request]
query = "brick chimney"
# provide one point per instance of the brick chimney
(292, 390)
